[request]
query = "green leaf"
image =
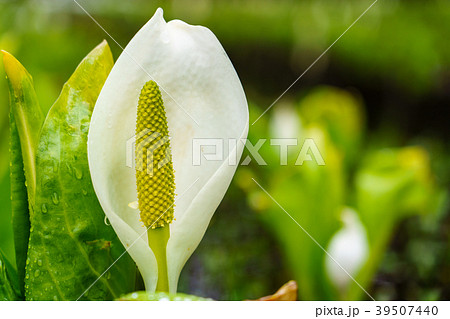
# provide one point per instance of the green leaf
(70, 245)
(4, 142)
(19, 203)
(26, 120)
(160, 296)
(340, 114)
(27, 115)
(320, 218)
(8, 281)
(391, 184)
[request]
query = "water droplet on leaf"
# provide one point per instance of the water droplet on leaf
(55, 199)
(78, 173)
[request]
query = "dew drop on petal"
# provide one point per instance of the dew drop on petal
(134, 205)
(109, 120)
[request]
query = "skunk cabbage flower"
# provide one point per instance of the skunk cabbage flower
(172, 86)
(349, 247)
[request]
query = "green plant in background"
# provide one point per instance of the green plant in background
(391, 185)
(341, 116)
(379, 191)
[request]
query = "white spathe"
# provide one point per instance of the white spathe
(203, 98)
(349, 247)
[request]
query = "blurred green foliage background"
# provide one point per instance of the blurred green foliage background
(376, 104)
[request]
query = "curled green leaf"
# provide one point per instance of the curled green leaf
(27, 115)
(26, 119)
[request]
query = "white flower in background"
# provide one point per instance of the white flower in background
(285, 122)
(349, 247)
(196, 93)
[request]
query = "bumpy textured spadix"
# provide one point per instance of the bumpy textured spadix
(203, 100)
(154, 169)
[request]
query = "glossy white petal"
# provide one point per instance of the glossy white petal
(203, 98)
(349, 247)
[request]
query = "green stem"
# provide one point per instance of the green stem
(157, 240)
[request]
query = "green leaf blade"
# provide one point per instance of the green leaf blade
(70, 245)
(8, 281)
(19, 203)
(27, 114)
(26, 120)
